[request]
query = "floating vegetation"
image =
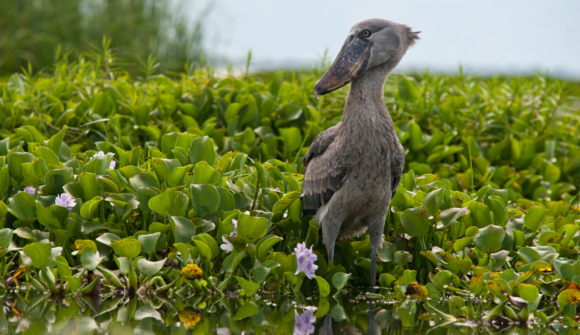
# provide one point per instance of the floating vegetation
(184, 191)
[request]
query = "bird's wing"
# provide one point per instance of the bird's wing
(322, 173)
(397, 166)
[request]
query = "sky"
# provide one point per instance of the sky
(488, 36)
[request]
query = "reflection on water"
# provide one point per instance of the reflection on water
(27, 313)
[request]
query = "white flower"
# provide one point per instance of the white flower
(100, 153)
(227, 246)
(65, 200)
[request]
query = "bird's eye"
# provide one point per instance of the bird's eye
(366, 33)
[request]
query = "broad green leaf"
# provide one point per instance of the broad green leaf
(266, 246)
(340, 279)
(534, 217)
(205, 199)
(127, 247)
(148, 242)
(183, 229)
(149, 268)
(39, 253)
(251, 228)
(323, 286)
(415, 221)
(489, 239)
(250, 288)
(90, 260)
(170, 202)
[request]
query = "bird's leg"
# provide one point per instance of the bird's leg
(330, 230)
(373, 267)
(331, 254)
(376, 235)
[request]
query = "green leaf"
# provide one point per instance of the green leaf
(528, 292)
(250, 288)
(23, 206)
(260, 274)
(568, 297)
(39, 253)
(89, 209)
(340, 279)
(204, 249)
(292, 138)
(205, 199)
(534, 217)
(245, 311)
(5, 237)
(15, 161)
(202, 149)
(55, 180)
(387, 251)
(164, 167)
(50, 158)
(148, 242)
(90, 260)
(323, 286)
(90, 184)
(52, 217)
(203, 173)
(480, 213)
(489, 239)
(34, 172)
(312, 234)
(170, 202)
(127, 247)
(183, 229)
(287, 200)
(143, 180)
(266, 246)
(415, 221)
(148, 268)
(407, 90)
(451, 215)
(251, 228)
(55, 141)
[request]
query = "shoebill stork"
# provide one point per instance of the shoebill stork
(352, 170)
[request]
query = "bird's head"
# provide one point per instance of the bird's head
(369, 43)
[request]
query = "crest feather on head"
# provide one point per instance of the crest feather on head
(412, 36)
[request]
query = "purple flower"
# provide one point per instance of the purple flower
(306, 259)
(228, 246)
(30, 190)
(65, 200)
(100, 153)
(303, 323)
(235, 231)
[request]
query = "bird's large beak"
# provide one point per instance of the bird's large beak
(352, 61)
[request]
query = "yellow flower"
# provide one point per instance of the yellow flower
(189, 316)
(417, 291)
(191, 272)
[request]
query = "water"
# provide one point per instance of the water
(28, 313)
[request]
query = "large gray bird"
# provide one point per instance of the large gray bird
(353, 169)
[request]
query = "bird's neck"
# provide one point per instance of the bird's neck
(364, 103)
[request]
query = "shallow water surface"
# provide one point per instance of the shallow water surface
(353, 312)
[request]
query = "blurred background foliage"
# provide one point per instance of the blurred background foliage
(37, 32)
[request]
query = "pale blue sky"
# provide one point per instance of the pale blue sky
(485, 36)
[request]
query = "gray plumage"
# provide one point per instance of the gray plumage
(353, 169)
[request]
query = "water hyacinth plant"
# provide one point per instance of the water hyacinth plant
(188, 186)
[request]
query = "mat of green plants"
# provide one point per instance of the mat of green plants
(183, 187)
